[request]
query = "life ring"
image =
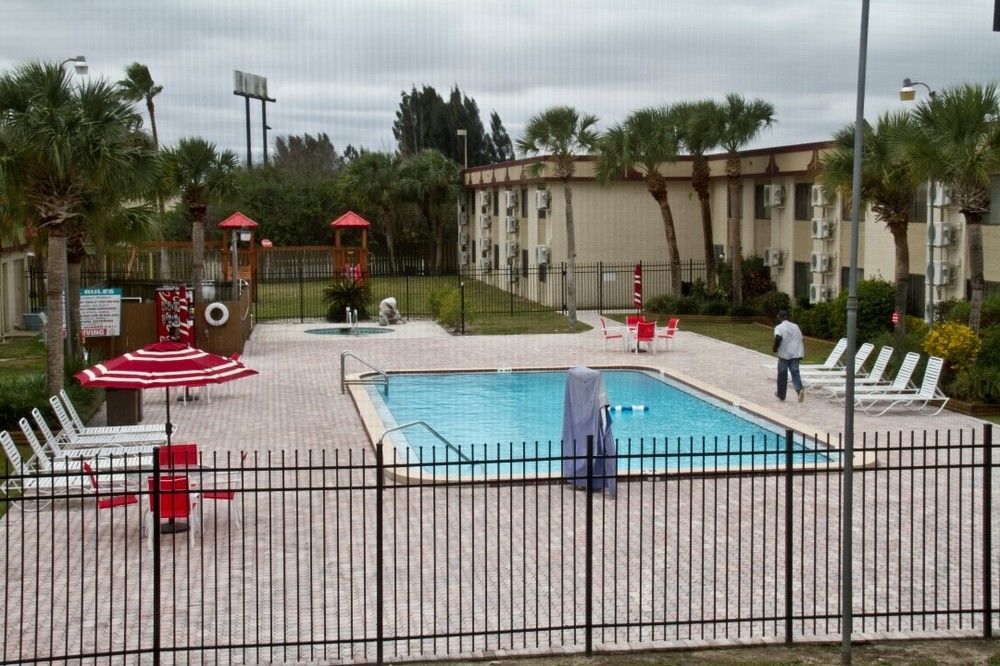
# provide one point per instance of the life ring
(216, 314)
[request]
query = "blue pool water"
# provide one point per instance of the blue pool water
(511, 423)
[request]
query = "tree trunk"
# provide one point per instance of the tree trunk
(152, 123)
(699, 181)
(197, 250)
(55, 275)
(73, 284)
(902, 273)
(974, 234)
(570, 256)
(736, 240)
(390, 244)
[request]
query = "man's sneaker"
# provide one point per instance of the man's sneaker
(802, 395)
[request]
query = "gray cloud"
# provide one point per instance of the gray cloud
(339, 67)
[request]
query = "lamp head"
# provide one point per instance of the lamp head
(462, 132)
(907, 92)
(80, 63)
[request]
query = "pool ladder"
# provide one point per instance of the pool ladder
(381, 380)
(433, 432)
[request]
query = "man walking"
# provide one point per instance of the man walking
(788, 345)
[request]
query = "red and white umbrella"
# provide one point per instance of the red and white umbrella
(164, 365)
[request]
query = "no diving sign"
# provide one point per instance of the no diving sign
(100, 312)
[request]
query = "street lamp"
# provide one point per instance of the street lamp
(907, 93)
(465, 165)
(79, 62)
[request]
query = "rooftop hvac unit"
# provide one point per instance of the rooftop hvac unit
(819, 196)
(510, 199)
(774, 196)
(820, 262)
(463, 258)
(943, 235)
(485, 221)
(484, 198)
(511, 249)
(773, 256)
(485, 264)
(822, 228)
(818, 293)
(541, 199)
(543, 254)
(941, 197)
(944, 273)
(511, 224)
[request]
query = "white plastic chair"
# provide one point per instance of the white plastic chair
(816, 382)
(94, 451)
(27, 480)
(74, 416)
(860, 357)
(917, 400)
(612, 335)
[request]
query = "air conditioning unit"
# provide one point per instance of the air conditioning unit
(541, 199)
(818, 293)
(820, 262)
(484, 198)
(944, 273)
(944, 235)
(487, 244)
(774, 196)
(463, 258)
(543, 254)
(461, 207)
(822, 228)
(463, 219)
(941, 197)
(485, 264)
(773, 256)
(510, 249)
(463, 238)
(510, 199)
(511, 224)
(485, 221)
(819, 196)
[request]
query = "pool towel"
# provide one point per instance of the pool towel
(585, 412)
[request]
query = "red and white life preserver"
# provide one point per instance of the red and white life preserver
(216, 314)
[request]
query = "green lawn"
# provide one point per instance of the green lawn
(22, 355)
(530, 323)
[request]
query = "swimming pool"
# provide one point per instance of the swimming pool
(510, 424)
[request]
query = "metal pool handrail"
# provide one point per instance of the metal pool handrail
(433, 432)
(383, 377)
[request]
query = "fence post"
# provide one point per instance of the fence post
(156, 555)
(600, 287)
(510, 286)
(588, 602)
(461, 298)
(987, 530)
(406, 282)
(564, 286)
(379, 522)
(302, 288)
(788, 535)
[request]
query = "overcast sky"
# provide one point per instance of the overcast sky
(338, 66)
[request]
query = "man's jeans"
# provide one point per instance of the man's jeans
(786, 365)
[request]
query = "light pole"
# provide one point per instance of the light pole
(907, 92)
(465, 165)
(79, 62)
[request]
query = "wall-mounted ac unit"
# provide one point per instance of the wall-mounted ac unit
(510, 249)
(543, 254)
(510, 199)
(463, 238)
(486, 244)
(463, 258)
(484, 198)
(463, 218)
(774, 196)
(541, 199)
(511, 224)
(773, 256)
(941, 197)
(485, 221)
(943, 235)
(819, 196)
(820, 262)
(818, 293)
(485, 264)
(944, 273)
(821, 228)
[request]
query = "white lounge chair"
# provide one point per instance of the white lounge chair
(62, 460)
(25, 476)
(901, 382)
(74, 416)
(832, 361)
(917, 400)
(860, 357)
(74, 440)
(830, 384)
(93, 449)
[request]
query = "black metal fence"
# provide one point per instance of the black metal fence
(358, 556)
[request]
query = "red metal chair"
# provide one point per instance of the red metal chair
(179, 455)
(176, 503)
(105, 500)
(612, 335)
(667, 334)
(632, 321)
(646, 332)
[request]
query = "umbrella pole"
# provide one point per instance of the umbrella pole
(169, 425)
(171, 526)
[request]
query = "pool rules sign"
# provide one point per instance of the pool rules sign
(100, 312)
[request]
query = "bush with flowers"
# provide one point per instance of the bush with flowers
(953, 341)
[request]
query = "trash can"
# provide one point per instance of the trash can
(124, 406)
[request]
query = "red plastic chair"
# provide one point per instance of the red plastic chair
(632, 321)
(667, 334)
(225, 490)
(646, 332)
(179, 455)
(176, 503)
(612, 335)
(106, 501)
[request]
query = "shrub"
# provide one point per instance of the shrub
(435, 301)
(742, 310)
(445, 305)
(951, 310)
(343, 294)
(770, 303)
(686, 305)
(954, 342)
(714, 308)
(989, 351)
(977, 384)
(661, 305)
(991, 312)
(756, 278)
(18, 395)
(911, 341)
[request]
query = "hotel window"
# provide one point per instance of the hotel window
(803, 201)
(496, 203)
(760, 211)
(918, 214)
(524, 202)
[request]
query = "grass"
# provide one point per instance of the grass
(526, 324)
(22, 354)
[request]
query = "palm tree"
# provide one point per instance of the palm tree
(433, 181)
(957, 141)
(561, 132)
(645, 140)
(200, 175)
(61, 144)
(372, 182)
(887, 185)
(744, 120)
(700, 125)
